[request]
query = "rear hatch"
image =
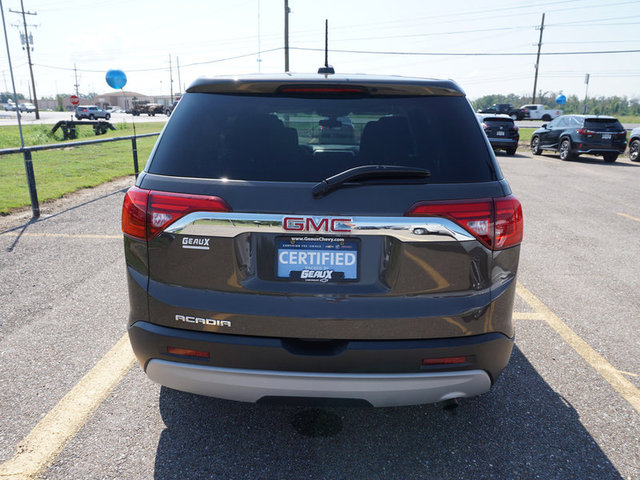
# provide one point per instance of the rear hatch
(252, 230)
(499, 128)
(604, 132)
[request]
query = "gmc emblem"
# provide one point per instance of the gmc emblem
(310, 224)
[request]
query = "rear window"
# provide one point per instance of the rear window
(603, 124)
(276, 138)
(498, 122)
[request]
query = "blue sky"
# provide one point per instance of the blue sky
(138, 36)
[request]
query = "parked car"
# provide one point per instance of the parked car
(573, 135)
(540, 112)
(501, 131)
(10, 106)
(337, 131)
(91, 112)
(505, 109)
(634, 145)
(27, 107)
(169, 108)
(264, 266)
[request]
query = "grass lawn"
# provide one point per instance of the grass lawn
(63, 171)
(525, 135)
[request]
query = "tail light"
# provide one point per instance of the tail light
(145, 213)
(515, 128)
(484, 126)
(497, 223)
(584, 131)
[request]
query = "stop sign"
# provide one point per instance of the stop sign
(74, 100)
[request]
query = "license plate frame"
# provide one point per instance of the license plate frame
(324, 259)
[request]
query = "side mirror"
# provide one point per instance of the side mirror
(544, 125)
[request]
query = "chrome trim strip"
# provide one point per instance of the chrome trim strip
(380, 390)
(405, 229)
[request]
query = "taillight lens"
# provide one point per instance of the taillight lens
(145, 213)
(134, 213)
(584, 131)
(497, 223)
(508, 222)
(484, 126)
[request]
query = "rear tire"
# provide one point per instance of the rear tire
(565, 150)
(535, 146)
(546, 118)
(634, 150)
(107, 116)
(91, 117)
(610, 157)
(511, 151)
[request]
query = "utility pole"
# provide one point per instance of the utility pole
(170, 80)
(179, 80)
(535, 81)
(26, 39)
(28, 163)
(75, 71)
(286, 35)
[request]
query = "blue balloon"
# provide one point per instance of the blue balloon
(116, 79)
(561, 99)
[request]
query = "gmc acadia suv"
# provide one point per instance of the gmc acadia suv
(265, 263)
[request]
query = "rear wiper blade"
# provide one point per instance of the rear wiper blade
(366, 172)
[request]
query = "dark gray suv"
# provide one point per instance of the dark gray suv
(265, 263)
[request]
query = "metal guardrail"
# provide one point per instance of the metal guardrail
(28, 163)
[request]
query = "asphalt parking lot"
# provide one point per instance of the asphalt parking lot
(76, 406)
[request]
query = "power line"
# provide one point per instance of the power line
(468, 54)
(158, 69)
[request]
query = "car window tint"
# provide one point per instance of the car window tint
(562, 122)
(603, 124)
(273, 138)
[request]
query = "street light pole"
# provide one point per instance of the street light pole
(586, 81)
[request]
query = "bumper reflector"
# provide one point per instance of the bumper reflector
(444, 361)
(185, 352)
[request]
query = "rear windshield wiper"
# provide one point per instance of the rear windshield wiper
(367, 172)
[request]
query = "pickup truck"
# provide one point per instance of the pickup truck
(505, 109)
(539, 112)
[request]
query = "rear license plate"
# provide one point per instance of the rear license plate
(311, 259)
(500, 134)
(606, 136)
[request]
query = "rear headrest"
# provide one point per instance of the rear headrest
(386, 141)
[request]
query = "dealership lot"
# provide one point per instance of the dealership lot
(76, 406)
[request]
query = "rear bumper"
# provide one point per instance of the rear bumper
(379, 390)
(600, 149)
(497, 142)
(381, 372)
